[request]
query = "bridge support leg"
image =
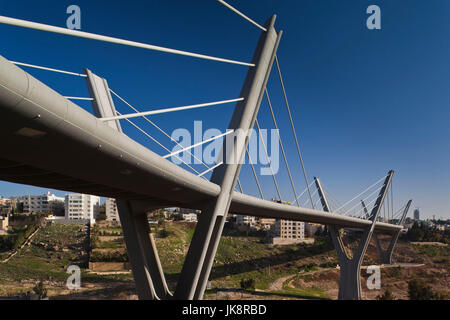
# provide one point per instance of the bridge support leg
(142, 253)
(386, 255)
(141, 248)
(350, 268)
(200, 257)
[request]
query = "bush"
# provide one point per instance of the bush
(248, 284)
(109, 257)
(40, 290)
(328, 265)
(419, 290)
(387, 295)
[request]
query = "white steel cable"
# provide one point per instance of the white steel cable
(167, 110)
(242, 15)
(198, 144)
(292, 125)
(254, 173)
(281, 145)
(48, 69)
(93, 36)
(157, 127)
(367, 197)
(161, 145)
(210, 169)
(304, 191)
(361, 193)
(268, 159)
(79, 98)
(167, 135)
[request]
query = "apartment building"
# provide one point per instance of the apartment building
(4, 221)
(111, 210)
(41, 203)
(288, 232)
(240, 219)
(81, 206)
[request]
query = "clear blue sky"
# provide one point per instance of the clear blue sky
(363, 101)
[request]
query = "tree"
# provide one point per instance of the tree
(101, 216)
(248, 284)
(40, 290)
(419, 290)
(387, 295)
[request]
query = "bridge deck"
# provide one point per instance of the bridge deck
(49, 141)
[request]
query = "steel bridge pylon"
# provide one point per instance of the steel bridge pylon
(350, 267)
(142, 252)
(386, 254)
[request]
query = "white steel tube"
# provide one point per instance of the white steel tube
(242, 15)
(153, 112)
(48, 69)
(93, 36)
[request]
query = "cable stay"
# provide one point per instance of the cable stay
(281, 145)
(93, 36)
(292, 126)
(48, 69)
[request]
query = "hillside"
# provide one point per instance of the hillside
(280, 272)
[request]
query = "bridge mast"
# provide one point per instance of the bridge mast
(200, 257)
(350, 268)
(386, 255)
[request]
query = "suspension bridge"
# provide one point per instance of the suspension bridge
(49, 141)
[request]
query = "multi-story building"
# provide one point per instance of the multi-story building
(288, 232)
(189, 217)
(266, 224)
(417, 215)
(111, 210)
(4, 221)
(82, 206)
(240, 219)
(41, 203)
(311, 229)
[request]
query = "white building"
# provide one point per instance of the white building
(245, 220)
(42, 203)
(189, 217)
(82, 206)
(111, 210)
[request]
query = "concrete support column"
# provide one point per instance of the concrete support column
(200, 257)
(142, 253)
(350, 268)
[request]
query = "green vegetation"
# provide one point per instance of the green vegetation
(248, 284)
(419, 290)
(387, 295)
(52, 250)
(16, 237)
(114, 256)
(40, 290)
(422, 233)
(434, 251)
